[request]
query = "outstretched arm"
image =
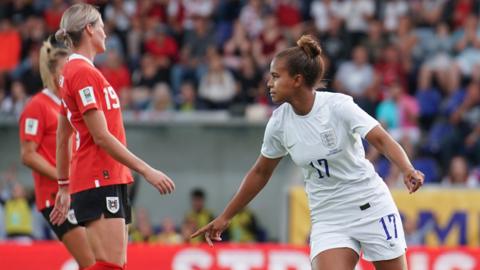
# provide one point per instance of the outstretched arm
(256, 178)
(384, 143)
(97, 126)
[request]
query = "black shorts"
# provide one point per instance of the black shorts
(111, 201)
(61, 230)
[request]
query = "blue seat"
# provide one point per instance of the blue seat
(429, 102)
(382, 166)
(429, 167)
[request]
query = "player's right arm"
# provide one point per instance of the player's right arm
(62, 200)
(98, 129)
(256, 178)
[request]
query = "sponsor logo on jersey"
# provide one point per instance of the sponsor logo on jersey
(87, 95)
(113, 204)
(31, 126)
(71, 217)
(329, 139)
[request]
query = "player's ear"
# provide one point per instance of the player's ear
(298, 80)
(89, 29)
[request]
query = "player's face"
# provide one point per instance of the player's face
(280, 83)
(99, 36)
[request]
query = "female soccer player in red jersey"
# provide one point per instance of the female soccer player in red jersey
(38, 128)
(99, 167)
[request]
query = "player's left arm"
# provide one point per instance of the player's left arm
(386, 145)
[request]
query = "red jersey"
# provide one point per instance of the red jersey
(84, 88)
(38, 123)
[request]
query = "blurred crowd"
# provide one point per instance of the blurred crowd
(414, 65)
(21, 222)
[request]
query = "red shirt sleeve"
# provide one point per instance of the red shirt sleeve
(32, 123)
(86, 89)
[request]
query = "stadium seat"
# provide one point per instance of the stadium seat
(429, 102)
(429, 167)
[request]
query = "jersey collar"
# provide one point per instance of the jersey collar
(52, 96)
(74, 56)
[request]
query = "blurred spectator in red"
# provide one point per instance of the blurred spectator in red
(459, 174)
(53, 14)
(236, 47)
(268, 43)
(154, 9)
(288, 13)
(217, 87)
(10, 46)
(457, 12)
(162, 47)
(390, 69)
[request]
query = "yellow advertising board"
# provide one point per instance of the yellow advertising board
(441, 217)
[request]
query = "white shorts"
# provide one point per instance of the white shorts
(377, 237)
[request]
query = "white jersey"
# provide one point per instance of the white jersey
(326, 143)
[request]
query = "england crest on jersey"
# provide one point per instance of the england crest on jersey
(113, 204)
(329, 139)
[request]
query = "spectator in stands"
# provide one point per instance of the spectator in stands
(459, 174)
(13, 104)
(162, 47)
(169, 234)
(236, 47)
(356, 15)
(18, 214)
(187, 99)
(243, 227)
(467, 47)
(375, 41)
(436, 51)
(356, 78)
(323, 12)
(249, 79)
(192, 63)
(391, 69)
(198, 216)
(142, 230)
(161, 99)
(53, 14)
(251, 17)
(391, 12)
(149, 74)
(217, 87)
(268, 43)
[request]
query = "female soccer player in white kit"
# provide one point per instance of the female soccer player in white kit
(351, 207)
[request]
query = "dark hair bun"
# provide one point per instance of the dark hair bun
(309, 45)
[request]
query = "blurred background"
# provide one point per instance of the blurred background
(191, 76)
